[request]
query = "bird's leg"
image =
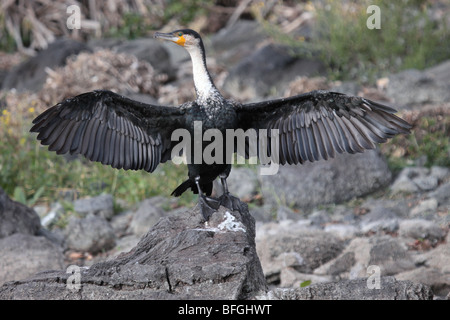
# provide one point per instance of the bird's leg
(227, 199)
(207, 205)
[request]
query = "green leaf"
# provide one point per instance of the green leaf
(19, 195)
(305, 283)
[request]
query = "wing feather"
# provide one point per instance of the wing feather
(111, 129)
(318, 124)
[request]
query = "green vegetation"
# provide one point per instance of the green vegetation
(132, 26)
(7, 43)
(408, 38)
(185, 11)
(428, 143)
(30, 173)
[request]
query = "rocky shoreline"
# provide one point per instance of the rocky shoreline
(321, 231)
(402, 234)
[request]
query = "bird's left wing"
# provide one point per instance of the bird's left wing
(109, 128)
(317, 124)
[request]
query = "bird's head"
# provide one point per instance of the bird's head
(186, 38)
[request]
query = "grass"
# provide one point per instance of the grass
(31, 174)
(428, 144)
(132, 26)
(408, 38)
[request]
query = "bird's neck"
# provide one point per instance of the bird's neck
(204, 85)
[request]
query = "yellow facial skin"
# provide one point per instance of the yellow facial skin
(181, 41)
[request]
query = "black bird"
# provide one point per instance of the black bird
(114, 130)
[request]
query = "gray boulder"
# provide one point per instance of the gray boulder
(150, 50)
(181, 257)
(391, 255)
(23, 255)
(297, 248)
(92, 234)
(242, 183)
(414, 87)
(418, 179)
(16, 217)
(233, 44)
(337, 180)
(102, 206)
(421, 229)
(30, 75)
(378, 219)
(145, 217)
(358, 289)
(271, 67)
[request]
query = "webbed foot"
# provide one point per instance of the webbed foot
(231, 202)
(207, 206)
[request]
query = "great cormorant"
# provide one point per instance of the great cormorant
(114, 130)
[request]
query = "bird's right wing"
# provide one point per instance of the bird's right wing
(109, 128)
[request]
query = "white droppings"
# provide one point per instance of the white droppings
(231, 224)
(228, 224)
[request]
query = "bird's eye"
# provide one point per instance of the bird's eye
(180, 34)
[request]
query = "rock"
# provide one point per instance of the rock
(379, 218)
(30, 75)
(403, 185)
(291, 278)
(342, 231)
(150, 50)
(16, 217)
(441, 194)
(121, 222)
(285, 213)
(56, 210)
(389, 254)
(23, 255)
(439, 257)
(319, 217)
(424, 208)
(92, 234)
(438, 281)
(268, 68)
(125, 244)
(426, 183)
(303, 250)
(181, 257)
(102, 206)
(440, 173)
(323, 182)
(262, 214)
(383, 208)
(242, 183)
(415, 179)
(244, 36)
(421, 229)
(146, 216)
(414, 87)
(390, 289)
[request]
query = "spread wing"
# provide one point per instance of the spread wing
(109, 128)
(317, 124)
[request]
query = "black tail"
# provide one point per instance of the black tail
(206, 188)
